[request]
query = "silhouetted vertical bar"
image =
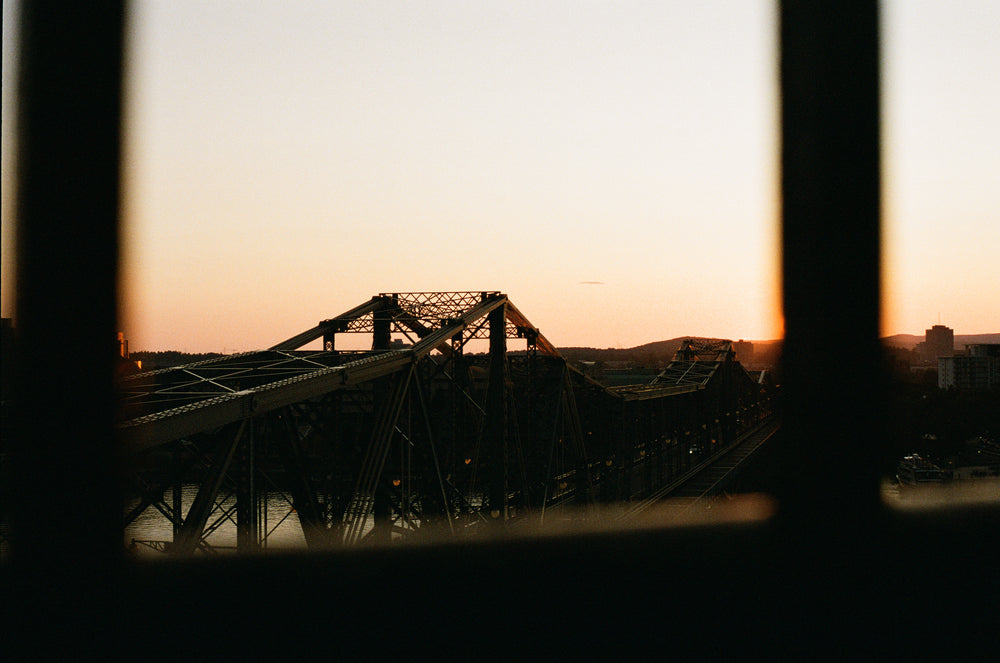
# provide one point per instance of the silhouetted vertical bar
(247, 495)
(382, 329)
(383, 404)
(830, 247)
(68, 175)
(496, 414)
(66, 512)
(177, 491)
(304, 498)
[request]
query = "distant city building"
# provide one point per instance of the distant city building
(939, 341)
(125, 364)
(983, 350)
(122, 346)
(978, 368)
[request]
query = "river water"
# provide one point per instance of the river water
(280, 527)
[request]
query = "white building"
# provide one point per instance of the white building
(978, 368)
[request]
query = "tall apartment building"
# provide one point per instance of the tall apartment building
(939, 341)
(978, 368)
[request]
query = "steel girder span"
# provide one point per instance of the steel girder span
(417, 434)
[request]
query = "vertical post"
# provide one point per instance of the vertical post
(830, 248)
(535, 418)
(496, 413)
(247, 499)
(66, 505)
(177, 493)
(574, 430)
(201, 507)
(389, 394)
(303, 494)
(382, 499)
(382, 320)
(455, 450)
(382, 512)
(65, 498)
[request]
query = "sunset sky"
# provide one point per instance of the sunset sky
(611, 166)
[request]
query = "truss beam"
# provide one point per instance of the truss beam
(425, 435)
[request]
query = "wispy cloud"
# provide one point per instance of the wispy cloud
(591, 282)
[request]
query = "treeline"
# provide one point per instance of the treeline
(621, 356)
(152, 361)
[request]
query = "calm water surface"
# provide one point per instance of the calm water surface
(281, 524)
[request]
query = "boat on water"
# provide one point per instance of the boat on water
(914, 470)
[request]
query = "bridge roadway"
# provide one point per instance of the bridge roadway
(710, 478)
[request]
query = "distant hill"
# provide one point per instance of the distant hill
(968, 339)
(650, 354)
(905, 341)
(910, 341)
(765, 353)
(659, 353)
(662, 347)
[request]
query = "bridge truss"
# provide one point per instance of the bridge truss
(418, 434)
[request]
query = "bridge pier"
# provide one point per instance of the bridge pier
(496, 416)
(248, 502)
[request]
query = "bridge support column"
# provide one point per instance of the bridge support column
(370, 488)
(177, 494)
(303, 495)
(194, 524)
(247, 498)
(382, 513)
(381, 335)
(385, 411)
(496, 415)
(575, 431)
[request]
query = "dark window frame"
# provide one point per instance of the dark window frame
(832, 568)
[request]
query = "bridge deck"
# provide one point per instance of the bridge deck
(709, 478)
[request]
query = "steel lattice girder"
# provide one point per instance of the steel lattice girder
(420, 313)
(169, 404)
(569, 431)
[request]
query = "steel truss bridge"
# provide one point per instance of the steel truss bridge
(419, 433)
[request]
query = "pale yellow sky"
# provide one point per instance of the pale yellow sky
(286, 163)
